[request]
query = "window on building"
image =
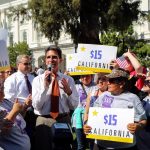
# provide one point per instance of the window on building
(11, 38)
(10, 21)
(142, 35)
(24, 36)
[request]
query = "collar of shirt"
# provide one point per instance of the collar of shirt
(22, 74)
(59, 74)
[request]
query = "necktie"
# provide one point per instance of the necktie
(55, 99)
(28, 84)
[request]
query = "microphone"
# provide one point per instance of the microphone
(49, 68)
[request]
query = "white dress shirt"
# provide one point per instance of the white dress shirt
(41, 95)
(40, 71)
(15, 86)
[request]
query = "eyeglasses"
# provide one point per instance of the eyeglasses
(147, 82)
(52, 57)
(26, 64)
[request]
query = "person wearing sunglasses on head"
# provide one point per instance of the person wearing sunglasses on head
(118, 96)
(143, 136)
(8, 72)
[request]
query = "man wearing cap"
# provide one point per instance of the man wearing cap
(117, 96)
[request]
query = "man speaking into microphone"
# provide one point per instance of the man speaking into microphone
(53, 95)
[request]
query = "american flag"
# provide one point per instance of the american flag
(122, 62)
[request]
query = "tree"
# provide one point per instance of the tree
(17, 49)
(83, 19)
(143, 53)
(122, 41)
(139, 47)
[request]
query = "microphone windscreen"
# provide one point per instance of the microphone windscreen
(49, 67)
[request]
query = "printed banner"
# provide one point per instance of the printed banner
(110, 124)
(4, 59)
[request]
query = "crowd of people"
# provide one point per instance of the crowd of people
(32, 102)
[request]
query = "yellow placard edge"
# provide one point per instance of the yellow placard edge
(4, 68)
(96, 70)
(81, 73)
(110, 138)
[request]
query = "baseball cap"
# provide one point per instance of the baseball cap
(116, 73)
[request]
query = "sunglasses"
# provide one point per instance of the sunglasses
(147, 82)
(26, 64)
(52, 57)
(114, 81)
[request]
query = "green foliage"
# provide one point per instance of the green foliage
(143, 54)
(83, 20)
(120, 39)
(127, 40)
(54, 16)
(17, 49)
(122, 13)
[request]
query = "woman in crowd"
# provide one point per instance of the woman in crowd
(2, 75)
(118, 97)
(8, 72)
(101, 86)
(12, 124)
(84, 86)
(133, 66)
(143, 136)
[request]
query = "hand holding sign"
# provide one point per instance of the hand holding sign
(108, 124)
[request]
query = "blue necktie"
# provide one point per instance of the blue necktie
(28, 84)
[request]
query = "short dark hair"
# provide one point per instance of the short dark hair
(54, 48)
